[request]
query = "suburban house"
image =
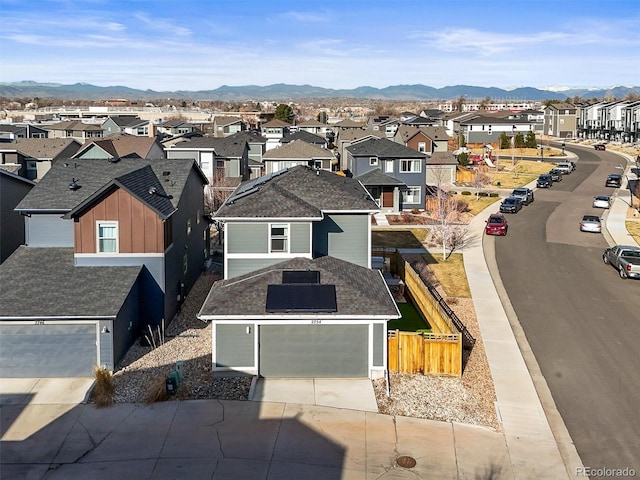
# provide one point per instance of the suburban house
(313, 126)
(273, 131)
(257, 146)
(74, 129)
(175, 128)
(486, 130)
(297, 256)
(393, 174)
(305, 136)
(11, 132)
(13, 188)
(34, 156)
(130, 124)
(111, 246)
(122, 145)
(441, 168)
(223, 126)
(298, 152)
(350, 137)
(225, 157)
(425, 139)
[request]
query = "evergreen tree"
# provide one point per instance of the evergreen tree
(284, 112)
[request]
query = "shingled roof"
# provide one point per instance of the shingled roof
(383, 148)
(42, 148)
(376, 177)
(360, 292)
(297, 192)
(53, 194)
(297, 150)
(60, 289)
(230, 146)
(121, 145)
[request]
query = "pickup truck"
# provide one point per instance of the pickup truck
(625, 259)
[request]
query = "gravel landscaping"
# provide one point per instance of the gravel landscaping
(469, 399)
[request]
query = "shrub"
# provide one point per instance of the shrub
(465, 192)
(157, 391)
(483, 194)
(493, 195)
(104, 388)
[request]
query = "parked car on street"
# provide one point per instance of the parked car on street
(556, 174)
(565, 167)
(625, 259)
(601, 201)
(511, 205)
(599, 146)
(524, 194)
(614, 180)
(496, 225)
(544, 181)
(591, 223)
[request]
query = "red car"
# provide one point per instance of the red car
(496, 225)
(599, 146)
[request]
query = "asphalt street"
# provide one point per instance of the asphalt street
(581, 320)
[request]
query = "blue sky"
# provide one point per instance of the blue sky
(201, 45)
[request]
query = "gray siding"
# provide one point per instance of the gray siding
(343, 236)
(234, 346)
(248, 237)
(300, 238)
(67, 350)
(105, 346)
(378, 344)
(240, 266)
(49, 230)
(314, 351)
(232, 168)
(194, 154)
(12, 191)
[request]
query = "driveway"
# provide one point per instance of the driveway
(44, 391)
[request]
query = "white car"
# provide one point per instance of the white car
(564, 167)
(590, 223)
(601, 201)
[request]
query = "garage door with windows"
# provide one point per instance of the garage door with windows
(47, 350)
(304, 351)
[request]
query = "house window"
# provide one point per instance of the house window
(411, 195)
(422, 147)
(185, 263)
(198, 217)
(279, 238)
(373, 161)
(107, 233)
(410, 166)
(388, 166)
(188, 226)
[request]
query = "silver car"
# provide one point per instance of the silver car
(591, 223)
(601, 201)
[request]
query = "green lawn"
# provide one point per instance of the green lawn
(411, 319)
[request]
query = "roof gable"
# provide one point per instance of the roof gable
(383, 148)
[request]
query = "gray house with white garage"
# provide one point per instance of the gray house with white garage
(299, 297)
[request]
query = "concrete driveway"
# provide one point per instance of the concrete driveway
(44, 390)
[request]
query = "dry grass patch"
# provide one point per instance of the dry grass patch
(409, 238)
(450, 274)
(104, 388)
(633, 227)
(478, 204)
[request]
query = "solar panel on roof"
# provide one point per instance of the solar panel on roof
(301, 298)
(301, 276)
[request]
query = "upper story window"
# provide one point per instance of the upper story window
(279, 238)
(422, 147)
(107, 236)
(188, 226)
(373, 161)
(388, 166)
(410, 166)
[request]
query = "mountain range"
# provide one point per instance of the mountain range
(282, 91)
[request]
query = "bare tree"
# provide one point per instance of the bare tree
(216, 193)
(448, 230)
(479, 181)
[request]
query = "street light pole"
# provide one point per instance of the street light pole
(513, 144)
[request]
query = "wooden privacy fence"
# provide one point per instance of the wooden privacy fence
(426, 353)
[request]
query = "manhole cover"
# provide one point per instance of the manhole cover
(406, 462)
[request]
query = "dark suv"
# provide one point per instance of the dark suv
(599, 146)
(614, 180)
(510, 205)
(544, 181)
